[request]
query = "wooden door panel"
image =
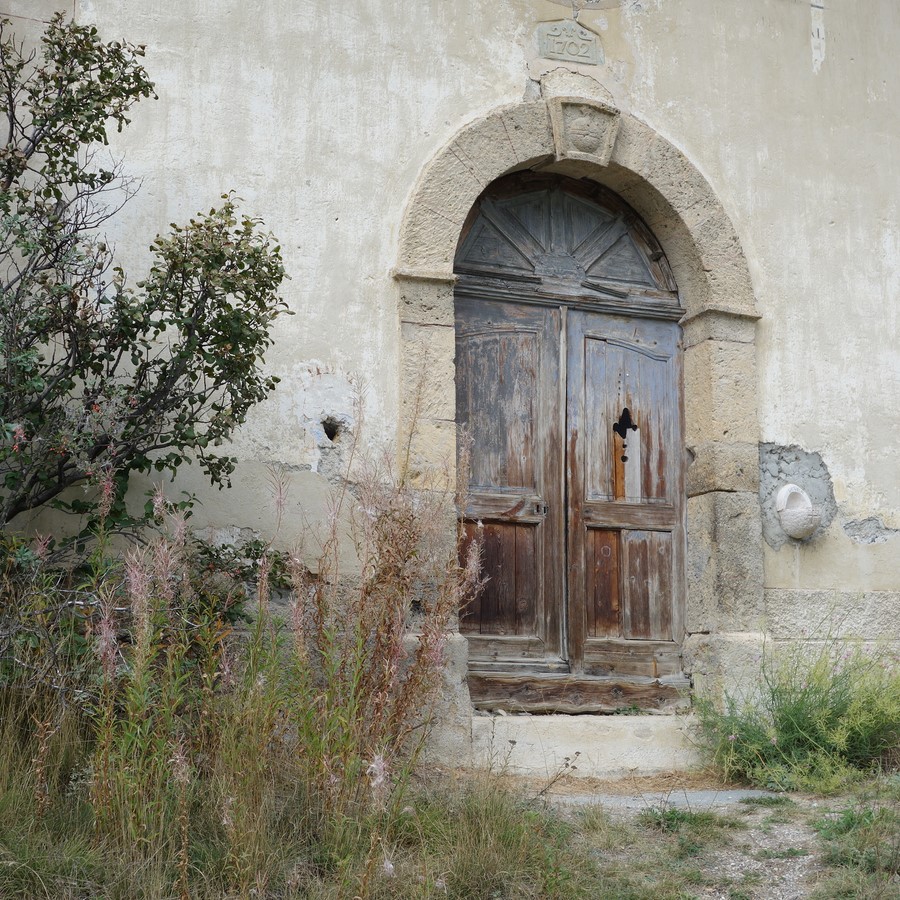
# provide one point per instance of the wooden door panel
(617, 656)
(648, 585)
(508, 399)
(497, 390)
(574, 694)
(619, 376)
(602, 588)
(506, 605)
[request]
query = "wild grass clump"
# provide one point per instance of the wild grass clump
(861, 843)
(484, 841)
(151, 748)
(821, 721)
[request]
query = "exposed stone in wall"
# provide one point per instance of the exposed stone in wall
(804, 614)
(724, 576)
(335, 439)
(871, 530)
(725, 663)
(779, 466)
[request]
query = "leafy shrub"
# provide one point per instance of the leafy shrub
(821, 719)
(99, 379)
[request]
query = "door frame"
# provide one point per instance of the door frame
(724, 596)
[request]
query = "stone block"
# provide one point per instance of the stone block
(724, 563)
(687, 191)
(583, 130)
(450, 186)
(432, 453)
(528, 129)
(719, 325)
(725, 663)
(606, 746)
(662, 171)
(720, 393)
(429, 240)
(720, 466)
(450, 738)
(428, 373)
(632, 147)
(487, 148)
(442, 201)
(558, 81)
(806, 614)
(426, 301)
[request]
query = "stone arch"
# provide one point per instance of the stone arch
(588, 138)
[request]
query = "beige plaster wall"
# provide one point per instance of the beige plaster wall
(322, 115)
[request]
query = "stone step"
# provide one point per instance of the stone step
(585, 746)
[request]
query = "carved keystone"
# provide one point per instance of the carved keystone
(583, 129)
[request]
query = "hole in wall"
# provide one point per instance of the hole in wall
(332, 427)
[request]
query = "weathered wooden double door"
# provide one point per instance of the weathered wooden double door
(569, 383)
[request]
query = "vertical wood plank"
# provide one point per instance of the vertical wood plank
(526, 579)
(603, 583)
(517, 392)
(481, 359)
(597, 436)
(661, 584)
(660, 388)
(470, 617)
(632, 398)
(507, 599)
(550, 463)
(575, 439)
(636, 611)
(618, 398)
(590, 583)
(631, 450)
(498, 602)
(495, 579)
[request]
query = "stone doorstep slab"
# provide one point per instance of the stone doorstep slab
(584, 746)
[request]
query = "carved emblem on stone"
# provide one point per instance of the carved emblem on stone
(583, 129)
(569, 41)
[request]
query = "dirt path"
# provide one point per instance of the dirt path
(695, 838)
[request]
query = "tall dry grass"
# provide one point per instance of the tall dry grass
(152, 749)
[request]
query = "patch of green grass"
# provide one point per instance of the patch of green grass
(861, 844)
(845, 884)
(770, 800)
(486, 842)
(673, 818)
(603, 832)
(693, 831)
(661, 860)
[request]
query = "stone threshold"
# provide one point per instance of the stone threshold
(586, 746)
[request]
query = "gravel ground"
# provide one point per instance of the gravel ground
(774, 856)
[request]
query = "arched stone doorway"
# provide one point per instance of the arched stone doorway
(723, 598)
